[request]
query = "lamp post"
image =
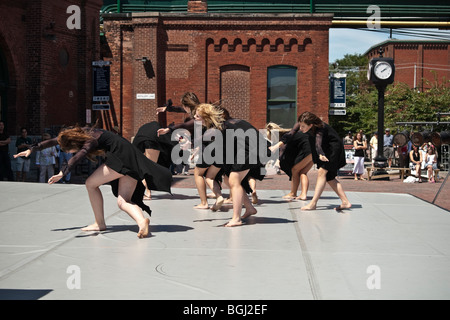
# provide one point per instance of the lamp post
(381, 72)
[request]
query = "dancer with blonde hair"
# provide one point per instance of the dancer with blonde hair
(238, 169)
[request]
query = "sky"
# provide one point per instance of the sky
(350, 41)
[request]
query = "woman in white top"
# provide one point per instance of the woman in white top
(430, 163)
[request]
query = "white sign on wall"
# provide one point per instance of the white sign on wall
(145, 96)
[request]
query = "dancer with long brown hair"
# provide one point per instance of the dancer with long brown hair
(328, 154)
(295, 159)
(124, 168)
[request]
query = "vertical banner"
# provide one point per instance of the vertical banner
(338, 90)
(100, 81)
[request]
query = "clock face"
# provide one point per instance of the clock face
(382, 70)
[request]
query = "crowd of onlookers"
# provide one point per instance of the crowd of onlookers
(45, 161)
(420, 159)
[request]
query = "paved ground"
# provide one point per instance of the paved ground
(425, 191)
(390, 245)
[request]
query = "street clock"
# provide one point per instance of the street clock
(381, 71)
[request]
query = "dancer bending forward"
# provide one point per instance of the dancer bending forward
(124, 168)
(328, 154)
(237, 168)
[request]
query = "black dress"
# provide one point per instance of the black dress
(297, 148)
(147, 138)
(328, 143)
(323, 141)
(243, 154)
(122, 157)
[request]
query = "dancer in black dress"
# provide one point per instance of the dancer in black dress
(328, 154)
(295, 160)
(124, 168)
(240, 163)
(205, 173)
(154, 147)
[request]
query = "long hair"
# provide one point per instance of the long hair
(211, 115)
(74, 139)
(310, 118)
(273, 126)
(191, 101)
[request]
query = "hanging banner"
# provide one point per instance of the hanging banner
(100, 80)
(337, 90)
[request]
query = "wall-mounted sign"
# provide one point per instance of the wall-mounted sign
(145, 96)
(337, 112)
(100, 80)
(337, 90)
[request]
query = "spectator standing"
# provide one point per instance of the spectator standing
(360, 145)
(45, 160)
(388, 147)
(374, 147)
(5, 160)
(23, 143)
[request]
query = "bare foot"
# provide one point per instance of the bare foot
(147, 196)
(219, 202)
(289, 196)
(309, 207)
(254, 198)
(343, 206)
(228, 200)
(211, 195)
(143, 228)
(94, 227)
(301, 197)
(233, 223)
(201, 206)
(249, 213)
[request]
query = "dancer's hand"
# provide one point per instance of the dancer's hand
(163, 131)
(275, 147)
(55, 178)
(160, 109)
(323, 158)
(25, 153)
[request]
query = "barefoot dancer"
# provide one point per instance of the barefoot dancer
(237, 170)
(205, 174)
(295, 160)
(125, 167)
(328, 154)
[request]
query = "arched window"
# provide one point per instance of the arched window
(282, 95)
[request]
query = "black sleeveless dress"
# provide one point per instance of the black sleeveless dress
(298, 147)
(122, 157)
(243, 154)
(147, 138)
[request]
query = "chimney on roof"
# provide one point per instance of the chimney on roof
(198, 6)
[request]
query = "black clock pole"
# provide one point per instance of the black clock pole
(380, 159)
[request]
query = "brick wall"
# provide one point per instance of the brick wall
(417, 62)
(220, 57)
(49, 65)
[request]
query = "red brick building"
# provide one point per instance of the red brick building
(261, 67)
(416, 61)
(46, 51)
